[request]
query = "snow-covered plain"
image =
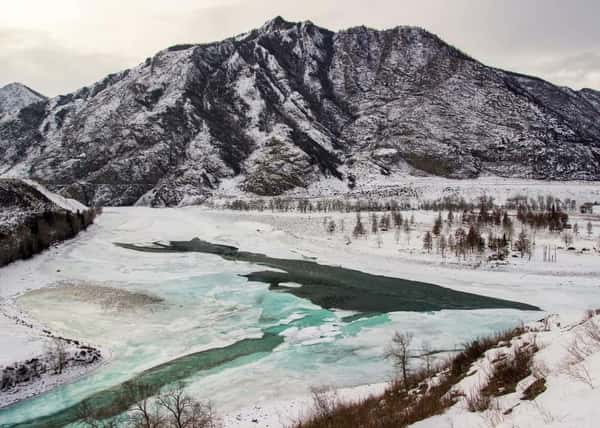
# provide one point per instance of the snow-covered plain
(206, 304)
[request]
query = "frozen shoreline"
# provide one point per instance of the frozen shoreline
(283, 413)
(11, 313)
(47, 382)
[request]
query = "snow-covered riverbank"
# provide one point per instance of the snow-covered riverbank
(35, 360)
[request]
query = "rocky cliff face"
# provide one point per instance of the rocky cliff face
(32, 219)
(290, 104)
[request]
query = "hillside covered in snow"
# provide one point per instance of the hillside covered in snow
(15, 96)
(288, 105)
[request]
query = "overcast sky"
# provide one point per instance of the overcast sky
(57, 46)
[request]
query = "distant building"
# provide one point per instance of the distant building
(590, 208)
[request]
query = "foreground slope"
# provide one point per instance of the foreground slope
(289, 104)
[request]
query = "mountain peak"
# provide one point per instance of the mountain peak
(289, 104)
(15, 96)
(279, 23)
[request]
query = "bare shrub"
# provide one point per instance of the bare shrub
(476, 348)
(325, 401)
(540, 370)
(510, 371)
(182, 411)
(580, 373)
(546, 415)
(592, 331)
(90, 417)
(58, 355)
(399, 351)
(477, 402)
(536, 388)
(144, 413)
(575, 366)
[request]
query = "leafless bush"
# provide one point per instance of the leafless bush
(540, 370)
(171, 409)
(547, 416)
(507, 373)
(476, 401)
(578, 351)
(494, 416)
(182, 411)
(575, 366)
(399, 351)
(592, 331)
(579, 372)
(325, 401)
(58, 355)
(144, 413)
(536, 388)
(90, 417)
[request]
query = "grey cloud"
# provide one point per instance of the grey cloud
(554, 39)
(37, 60)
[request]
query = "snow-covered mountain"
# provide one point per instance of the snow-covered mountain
(288, 104)
(15, 96)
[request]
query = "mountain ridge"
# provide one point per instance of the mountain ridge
(287, 105)
(15, 96)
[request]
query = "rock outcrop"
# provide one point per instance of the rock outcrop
(32, 219)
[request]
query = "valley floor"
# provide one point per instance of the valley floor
(567, 287)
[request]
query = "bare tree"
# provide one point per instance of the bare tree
(523, 244)
(437, 226)
(359, 228)
(183, 411)
(379, 240)
(450, 217)
(143, 414)
(58, 355)
(427, 356)
(443, 245)
(567, 238)
(407, 232)
(374, 223)
(90, 417)
(428, 241)
(399, 352)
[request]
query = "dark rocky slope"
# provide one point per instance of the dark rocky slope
(30, 221)
(290, 104)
